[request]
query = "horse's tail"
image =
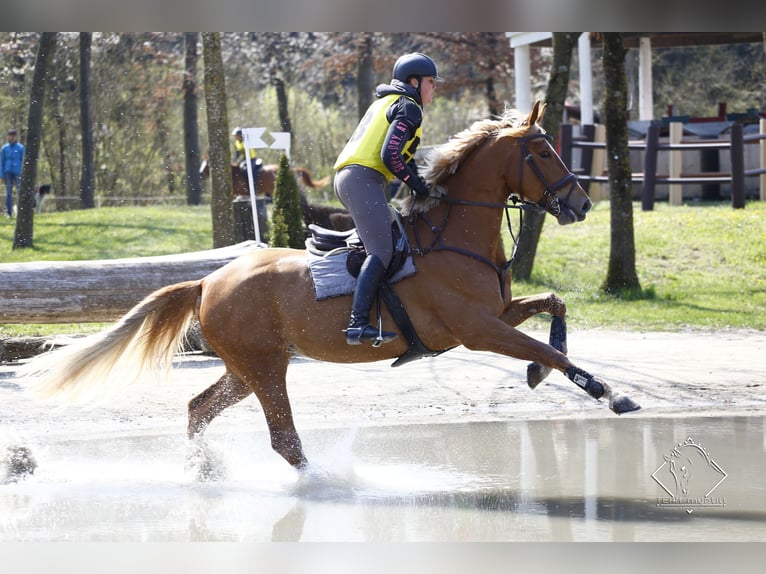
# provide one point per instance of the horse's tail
(306, 178)
(143, 341)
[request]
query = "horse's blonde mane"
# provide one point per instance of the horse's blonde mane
(445, 159)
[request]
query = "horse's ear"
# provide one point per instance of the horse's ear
(540, 115)
(536, 115)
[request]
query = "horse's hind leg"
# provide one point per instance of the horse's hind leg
(266, 376)
(522, 308)
(207, 405)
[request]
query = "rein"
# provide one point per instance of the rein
(438, 245)
(550, 202)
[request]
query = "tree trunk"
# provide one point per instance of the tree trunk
(218, 141)
(24, 234)
(282, 104)
(191, 129)
(58, 172)
(87, 174)
(492, 103)
(621, 274)
(365, 77)
(563, 44)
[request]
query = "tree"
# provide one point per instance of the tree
(558, 82)
(191, 129)
(86, 125)
(286, 219)
(365, 74)
(476, 61)
(218, 141)
(24, 234)
(621, 273)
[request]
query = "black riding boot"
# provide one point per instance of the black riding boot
(359, 328)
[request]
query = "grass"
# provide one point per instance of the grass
(700, 266)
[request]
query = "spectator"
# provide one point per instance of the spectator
(11, 160)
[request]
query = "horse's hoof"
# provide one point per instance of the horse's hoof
(623, 404)
(536, 374)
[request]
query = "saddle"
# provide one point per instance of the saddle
(322, 240)
(326, 241)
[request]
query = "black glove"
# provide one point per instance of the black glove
(419, 186)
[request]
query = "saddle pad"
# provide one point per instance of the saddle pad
(331, 279)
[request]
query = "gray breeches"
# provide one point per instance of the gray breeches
(362, 191)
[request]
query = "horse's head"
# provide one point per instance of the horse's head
(541, 178)
(508, 156)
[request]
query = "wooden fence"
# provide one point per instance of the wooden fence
(592, 143)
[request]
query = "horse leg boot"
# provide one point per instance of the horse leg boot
(557, 339)
(359, 329)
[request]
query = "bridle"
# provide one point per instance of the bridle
(549, 202)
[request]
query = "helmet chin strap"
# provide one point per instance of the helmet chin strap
(420, 83)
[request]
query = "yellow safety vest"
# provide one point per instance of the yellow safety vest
(240, 147)
(365, 144)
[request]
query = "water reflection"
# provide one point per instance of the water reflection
(516, 481)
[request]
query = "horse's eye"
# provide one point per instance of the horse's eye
(545, 155)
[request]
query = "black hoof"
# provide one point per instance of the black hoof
(623, 404)
(536, 374)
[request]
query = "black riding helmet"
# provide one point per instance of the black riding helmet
(415, 64)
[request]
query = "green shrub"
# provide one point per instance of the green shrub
(287, 221)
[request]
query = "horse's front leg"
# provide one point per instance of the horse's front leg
(485, 333)
(522, 308)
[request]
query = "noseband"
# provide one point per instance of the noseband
(549, 201)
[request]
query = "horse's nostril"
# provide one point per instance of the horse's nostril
(586, 206)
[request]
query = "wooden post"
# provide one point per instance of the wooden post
(597, 192)
(737, 166)
(675, 193)
(650, 167)
(565, 144)
(762, 143)
(586, 154)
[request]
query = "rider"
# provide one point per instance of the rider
(382, 148)
(239, 154)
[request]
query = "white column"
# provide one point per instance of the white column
(645, 98)
(586, 79)
(522, 83)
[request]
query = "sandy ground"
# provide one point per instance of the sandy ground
(668, 374)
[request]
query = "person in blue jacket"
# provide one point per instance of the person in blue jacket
(382, 148)
(11, 160)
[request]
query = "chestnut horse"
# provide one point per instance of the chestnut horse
(267, 177)
(458, 296)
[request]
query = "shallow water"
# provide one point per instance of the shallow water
(562, 480)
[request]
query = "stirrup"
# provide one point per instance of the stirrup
(364, 333)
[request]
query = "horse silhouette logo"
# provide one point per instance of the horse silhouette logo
(689, 476)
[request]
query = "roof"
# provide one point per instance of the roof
(658, 39)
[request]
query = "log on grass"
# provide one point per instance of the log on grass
(102, 290)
